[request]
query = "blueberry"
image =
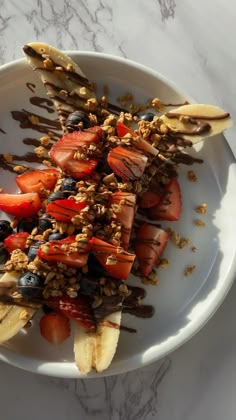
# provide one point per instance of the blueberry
(76, 118)
(58, 195)
(147, 117)
(89, 287)
(30, 285)
(45, 222)
(69, 184)
(5, 229)
(103, 166)
(56, 236)
(3, 253)
(95, 268)
(47, 309)
(32, 253)
(27, 224)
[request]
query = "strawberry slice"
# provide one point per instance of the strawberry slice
(16, 241)
(63, 150)
(20, 205)
(169, 207)
(148, 199)
(127, 164)
(55, 328)
(127, 203)
(142, 144)
(78, 309)
(80, 168)
(34, 181)
(117, 262)
(63, 250)
(65, 210)
(149, 246)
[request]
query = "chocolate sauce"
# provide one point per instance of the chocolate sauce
(196, 120)
(36, 122)
(31, 86)
(43, 103)
(2, 131)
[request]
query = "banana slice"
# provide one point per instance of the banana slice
(106, 341)
(197, 122)
(12, 317)
(63, 79)
(96, 350)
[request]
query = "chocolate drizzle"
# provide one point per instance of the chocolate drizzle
(2, 131)
(31, 86)
(199, 121)
(36, 122)
(43, 103)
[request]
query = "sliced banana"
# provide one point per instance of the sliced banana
(200, 116)
(106, 341)
(12, 317)
(96, 350)
(63, 79)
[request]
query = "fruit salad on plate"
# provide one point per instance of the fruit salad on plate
(93, 215)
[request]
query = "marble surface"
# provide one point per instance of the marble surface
(192, 43)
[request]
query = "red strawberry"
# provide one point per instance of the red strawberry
(80, 168)
(34, 181)
(64, 149)
(120, 263)
(148, 199)
(55, 328)
(142, 144)
(127, 164)
(77, 309)
(149, 245)
(169, 207)
(125, 216)
(20, 205)
(62, 250)
(65, 210)
(16, 241)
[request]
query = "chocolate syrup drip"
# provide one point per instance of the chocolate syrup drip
(31, 86)
(43, 125)
(43, 103)
(2, 131)
(196, 120)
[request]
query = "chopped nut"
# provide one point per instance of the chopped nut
(192, 176)
(183, 242)
(19, 169)
(34, 119)
(189, 270)
(48, 63)
(163, 263)
(202, 208)
(194, 249)
(40, 151)
(8, 158)
(44, 140)
(199, 222)
(24, 315)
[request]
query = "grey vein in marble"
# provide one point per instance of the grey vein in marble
(167, 8)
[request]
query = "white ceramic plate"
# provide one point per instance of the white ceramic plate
(182, 304)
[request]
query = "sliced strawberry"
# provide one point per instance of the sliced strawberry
(20, 205)
(55, 328)
(64, 149)
(127, 164)
(149, 245)
(78, 309)
(148, 199)
(16, 241)
(125, 215)
(169, 207)
(64, 251)
(142, 144)
(120, 262)
(34, 181)
(65, 210)
(80, 168)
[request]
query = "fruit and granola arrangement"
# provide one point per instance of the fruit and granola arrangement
(81, 225)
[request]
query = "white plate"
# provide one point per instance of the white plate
(182, 304)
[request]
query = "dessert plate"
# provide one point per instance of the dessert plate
(182, 304)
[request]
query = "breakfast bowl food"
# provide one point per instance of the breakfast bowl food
(114, 195)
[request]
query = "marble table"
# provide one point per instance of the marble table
(192, 43)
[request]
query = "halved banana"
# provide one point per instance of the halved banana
(63, 79)
(12, 317)
(96, 350)
(200, 115)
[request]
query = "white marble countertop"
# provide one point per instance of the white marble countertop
(192, 43)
